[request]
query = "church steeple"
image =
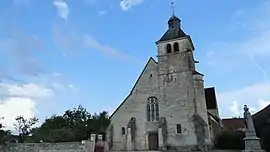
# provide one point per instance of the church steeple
(174, 30)
(174, 22)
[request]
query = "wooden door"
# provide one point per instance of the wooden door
(153, 141)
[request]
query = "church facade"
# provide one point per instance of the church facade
(168, 108)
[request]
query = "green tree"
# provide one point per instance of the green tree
(74, 125)
(24, 126)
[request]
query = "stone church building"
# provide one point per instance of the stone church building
(168, 108)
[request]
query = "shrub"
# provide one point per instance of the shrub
(230, 140)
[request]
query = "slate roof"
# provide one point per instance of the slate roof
(174, 31)
(210, 97)
(262, 114)
(261, 119)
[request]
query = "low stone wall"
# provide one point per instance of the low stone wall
(46, 147)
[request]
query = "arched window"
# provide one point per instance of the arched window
(123, 130)
(176, 47)
(169, 48)
(152, 109)
(178, 128)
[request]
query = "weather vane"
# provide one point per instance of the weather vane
(172, 6)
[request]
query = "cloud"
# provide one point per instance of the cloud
(69, 39)
(90, 42)
(235, 109)
(256, 97)
(89, 2)
(10, 108)
(21, 49)
(236, 56)
(24, 91)
(62, 8)
(21, 2)
(127, 4)
(21, 99)
(256, 43)
(263, 70)
(103, 12)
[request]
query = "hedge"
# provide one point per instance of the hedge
(232, 140)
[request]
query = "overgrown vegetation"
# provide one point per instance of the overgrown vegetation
(231, 140)
(24, 126)
(74, 125)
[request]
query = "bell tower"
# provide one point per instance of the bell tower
(181, 89)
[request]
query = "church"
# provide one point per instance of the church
(168, 108)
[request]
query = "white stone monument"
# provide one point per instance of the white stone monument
(90, 145)
(100, 137)
(160, 139)
(252, 142)
(129, 142)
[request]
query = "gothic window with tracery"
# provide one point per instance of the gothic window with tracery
(152, 109)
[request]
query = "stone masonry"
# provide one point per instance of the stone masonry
(178, 90)
(44, 147)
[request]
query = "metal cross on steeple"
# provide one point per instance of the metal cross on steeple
(172, 6)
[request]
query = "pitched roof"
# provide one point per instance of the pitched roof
(172, 34)
(150, 59)
(174, 30)
(210, 97)
(261, 119)
(214, 117)
(233, 123)
(265, 112)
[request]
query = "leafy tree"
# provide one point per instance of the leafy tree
(23, 126)
(74, 125)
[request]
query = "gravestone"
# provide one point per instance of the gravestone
(252, 142)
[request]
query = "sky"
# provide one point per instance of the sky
(58, 54)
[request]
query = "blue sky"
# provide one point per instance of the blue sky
(58, 54)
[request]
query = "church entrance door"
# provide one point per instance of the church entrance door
(153, 141)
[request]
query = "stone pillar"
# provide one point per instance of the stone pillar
(129, 142)
(90, 145)
(100, 137)
(146, 141)
(93, 138)
(160, 139)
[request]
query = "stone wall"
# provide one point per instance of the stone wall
(135, 106)
(201, 131)
(45, 147)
